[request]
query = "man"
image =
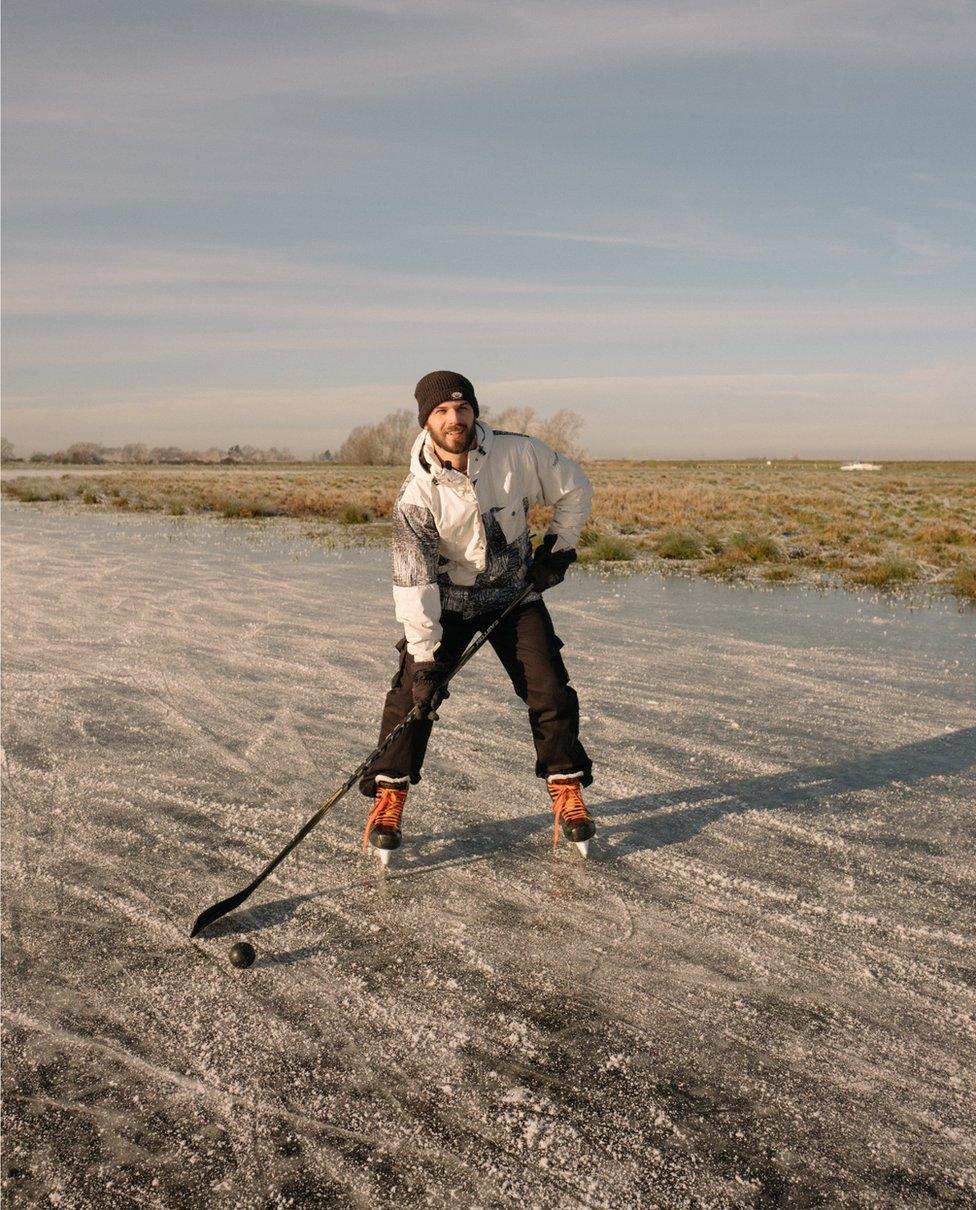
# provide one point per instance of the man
(461, 554)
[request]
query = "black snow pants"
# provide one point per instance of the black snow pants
(529, 649)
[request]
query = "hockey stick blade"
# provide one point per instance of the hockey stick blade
(216, 910)
(221, 908)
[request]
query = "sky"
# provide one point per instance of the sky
(724, 229)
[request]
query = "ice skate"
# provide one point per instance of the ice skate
(382, 833)
(570, 813)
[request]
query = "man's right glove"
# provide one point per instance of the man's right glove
(549, 569)
(428, 687)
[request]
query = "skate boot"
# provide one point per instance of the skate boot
(382, 834)
(569, 811)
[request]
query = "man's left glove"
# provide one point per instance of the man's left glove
(428, 687)
(549, 569)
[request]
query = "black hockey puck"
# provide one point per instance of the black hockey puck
(242, 954)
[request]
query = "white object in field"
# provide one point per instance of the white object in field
(583, 846)
(861, 466)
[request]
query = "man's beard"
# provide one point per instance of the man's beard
(455, 443)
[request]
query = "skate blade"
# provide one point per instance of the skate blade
(383, 855)
(583, 846)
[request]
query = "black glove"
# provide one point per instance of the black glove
(428, 687)
(549, 569)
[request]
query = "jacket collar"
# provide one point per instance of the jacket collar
(423, 460)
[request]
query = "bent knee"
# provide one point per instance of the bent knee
(555, 696)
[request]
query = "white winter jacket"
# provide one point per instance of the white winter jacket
(461, 541)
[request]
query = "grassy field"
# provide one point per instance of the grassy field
(909, 523)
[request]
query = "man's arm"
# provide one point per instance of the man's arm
(416, 596)
(563, 484)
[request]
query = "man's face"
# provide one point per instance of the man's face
(451, 425)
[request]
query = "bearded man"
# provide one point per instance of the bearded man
(461, 554)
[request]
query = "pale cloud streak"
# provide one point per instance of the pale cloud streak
(474, 43)
(926, 253)
(690, 234)
(281, 294)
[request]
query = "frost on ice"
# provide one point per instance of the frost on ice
(758, 991)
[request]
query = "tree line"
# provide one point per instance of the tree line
(91, 453)
(385, 443)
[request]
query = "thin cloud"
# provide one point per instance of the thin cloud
(502, 319)
(688, 236)
(38, 271)
(926, 253)
(121, 76)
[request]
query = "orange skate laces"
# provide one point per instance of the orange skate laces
(567, 804)
(386, 811)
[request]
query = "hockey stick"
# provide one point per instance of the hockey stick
(216, 910)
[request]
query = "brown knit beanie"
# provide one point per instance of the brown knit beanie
(442, 386)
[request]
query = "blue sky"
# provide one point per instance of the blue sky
(721, 229)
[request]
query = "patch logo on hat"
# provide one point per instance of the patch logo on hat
(456, 395)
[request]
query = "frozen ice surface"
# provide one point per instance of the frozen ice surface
(758, 991)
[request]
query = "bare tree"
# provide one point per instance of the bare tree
(167, 453)
(386, 443)
(361, 447)
(6, 450)
(512, 420)
(83, 452)
(560, 430)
